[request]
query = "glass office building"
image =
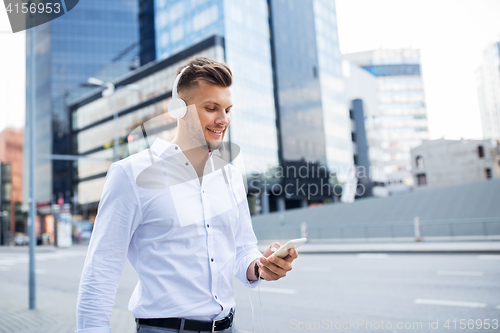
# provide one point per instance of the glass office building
(400, 121)
(95, 38)
(314, 118)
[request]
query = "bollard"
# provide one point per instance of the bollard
(416, 225)
(303, 230)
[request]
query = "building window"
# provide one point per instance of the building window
(420, 162)
(205, 18)
(6, 192)
(355, 157)
(421, 179)
(480, 151)
(351, 114)
(5, 172)
(487, 172)
(177, 33)
(164, 39)
(353, 137)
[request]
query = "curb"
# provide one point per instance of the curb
(404, 248)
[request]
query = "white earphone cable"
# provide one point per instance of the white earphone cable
(230, 189)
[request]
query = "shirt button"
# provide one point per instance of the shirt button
(203, 191)
(187, 163)
(176, 148)
(215, 296)
(208, 226)
(212, 259)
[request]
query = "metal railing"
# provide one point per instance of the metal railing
(428, 228)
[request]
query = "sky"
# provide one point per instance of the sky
(451, 35)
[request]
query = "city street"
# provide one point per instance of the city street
(332, 292)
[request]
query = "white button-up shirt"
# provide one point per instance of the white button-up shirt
(184, 239)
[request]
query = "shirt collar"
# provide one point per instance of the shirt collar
(161, 147)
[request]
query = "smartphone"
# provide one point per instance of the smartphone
(294, 243)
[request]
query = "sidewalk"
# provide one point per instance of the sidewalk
(485, 247)
(55, 311)
(55, 303)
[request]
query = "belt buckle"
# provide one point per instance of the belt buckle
(229, 317)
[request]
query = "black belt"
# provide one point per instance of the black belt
(189, 324)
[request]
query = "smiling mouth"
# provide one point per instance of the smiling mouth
(214, 131)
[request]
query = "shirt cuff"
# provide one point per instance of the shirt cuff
(254, 256)
(94, 330)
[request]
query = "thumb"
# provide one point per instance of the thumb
(275, 246)
(271, 249)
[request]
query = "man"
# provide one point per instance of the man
(182, 219)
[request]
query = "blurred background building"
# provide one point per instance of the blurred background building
(11, 184)
(400, 121)
(442, 162)
(95, 39)
(312, 109)
(361, 91)
(488, 91)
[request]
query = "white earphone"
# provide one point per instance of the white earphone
(177, 108)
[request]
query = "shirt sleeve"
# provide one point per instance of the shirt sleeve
(246, 242)
(118, 215)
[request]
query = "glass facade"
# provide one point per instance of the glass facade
(393, 70)
(95, 38)
(180, 24)
(248, 53)
(400, 121)
(313, 115)
(147, 31)
(337, 124)
(298, 84)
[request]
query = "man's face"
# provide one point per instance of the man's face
(213, 104)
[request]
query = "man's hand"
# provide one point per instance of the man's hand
(274, 268)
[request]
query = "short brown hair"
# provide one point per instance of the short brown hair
(206, 69)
